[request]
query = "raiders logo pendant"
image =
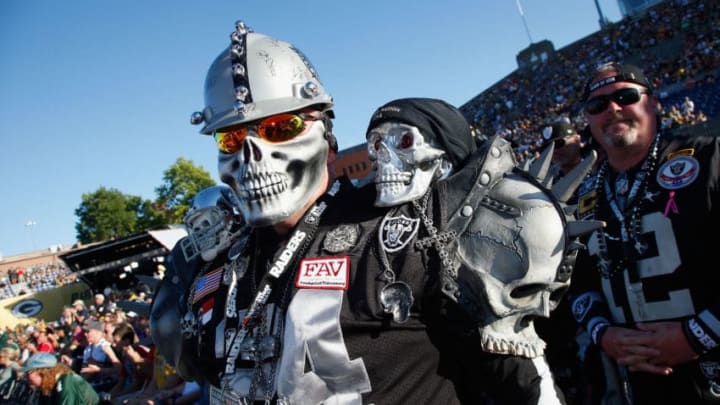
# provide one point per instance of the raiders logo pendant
(397, 232)
(396, 299)
(341, 238)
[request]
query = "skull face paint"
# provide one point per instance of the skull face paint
(275, 180)
(406, 165)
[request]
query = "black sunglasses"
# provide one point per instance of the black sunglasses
(626, 96)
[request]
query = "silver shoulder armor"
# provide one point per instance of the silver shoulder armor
(514, 252)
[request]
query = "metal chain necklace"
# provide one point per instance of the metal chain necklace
(436, 239)
(253, 324)
(396, 296)
(629, 218)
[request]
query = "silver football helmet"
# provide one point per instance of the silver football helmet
(213, 222)
(255, 78)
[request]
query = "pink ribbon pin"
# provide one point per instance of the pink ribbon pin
(671, 205)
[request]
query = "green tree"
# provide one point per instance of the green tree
(110, 214)
(149, 214)
(180, 184)
(106, 214)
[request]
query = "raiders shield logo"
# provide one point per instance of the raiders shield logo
(397, 232)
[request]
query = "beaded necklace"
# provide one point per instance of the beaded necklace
(628, 216)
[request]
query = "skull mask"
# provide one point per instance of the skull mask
(274, 181)
(510, 263)
(255, 78)
(406, 164)
(213, 221)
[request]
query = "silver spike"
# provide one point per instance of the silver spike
(579, 228)
(540, 165)
(565, 187)
(548, 180)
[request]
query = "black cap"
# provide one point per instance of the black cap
(436, 119)
(623, 73)
(557, 133)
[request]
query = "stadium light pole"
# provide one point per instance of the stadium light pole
(603, 19)
(31, 224)
(522, 15)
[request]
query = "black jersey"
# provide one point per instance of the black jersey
(654, 261)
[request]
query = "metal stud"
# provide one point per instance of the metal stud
(239, 107)
(311, 89)
(197, 118)
(238, 69)
(237, 51)
(241, 27)
(485, 178)
(241, 93)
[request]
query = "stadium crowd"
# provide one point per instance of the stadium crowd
(106, 343)
(676, 41)
(111, 346)
(19, 281)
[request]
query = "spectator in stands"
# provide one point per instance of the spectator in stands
(136, 363)
(99, 308)
(43, 341)
(101, 365)
(66, 319)
(569, 147)
(687, 107)
(26, 346)
(81, 312)
(166, 386)
(58, 384)
(8, 371)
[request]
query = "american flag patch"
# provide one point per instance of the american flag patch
(207, 284)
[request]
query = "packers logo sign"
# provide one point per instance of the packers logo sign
(27, 308)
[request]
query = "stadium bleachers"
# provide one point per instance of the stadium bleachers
(676, 42)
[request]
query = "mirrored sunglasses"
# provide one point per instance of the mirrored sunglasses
(623, 97)
(275, 129)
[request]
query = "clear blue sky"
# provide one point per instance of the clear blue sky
(99, 93)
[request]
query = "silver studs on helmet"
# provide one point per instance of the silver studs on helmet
(255, 77)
